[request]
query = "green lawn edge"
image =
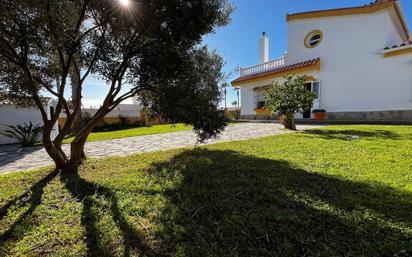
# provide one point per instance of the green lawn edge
(134, 132)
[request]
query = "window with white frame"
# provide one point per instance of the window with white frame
(260, 102)
(314, 86)
(260, 99)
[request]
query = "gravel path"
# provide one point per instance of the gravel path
(14, 158)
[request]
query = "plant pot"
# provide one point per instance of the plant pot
(262, 111)
(319, 116)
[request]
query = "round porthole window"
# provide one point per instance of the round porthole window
(313, 38)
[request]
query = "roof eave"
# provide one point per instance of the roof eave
(340, 12)
(396, 49)
(276, 74)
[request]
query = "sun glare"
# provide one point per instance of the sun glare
(124, 2)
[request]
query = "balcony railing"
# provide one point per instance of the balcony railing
(263, 67)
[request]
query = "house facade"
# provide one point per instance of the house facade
(358, 60)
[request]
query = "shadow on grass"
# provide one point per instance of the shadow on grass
(348, 134)
(87, 192)
(229, 204)
(31, 198)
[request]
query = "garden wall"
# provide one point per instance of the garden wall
(132, 112)
(13, 115)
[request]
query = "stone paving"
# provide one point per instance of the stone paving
(14, 158)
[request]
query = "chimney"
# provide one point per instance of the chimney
(264, 48)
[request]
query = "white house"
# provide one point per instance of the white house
(359, 61)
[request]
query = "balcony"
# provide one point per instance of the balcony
(263, 67)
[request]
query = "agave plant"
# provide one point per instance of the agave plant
(25, 134)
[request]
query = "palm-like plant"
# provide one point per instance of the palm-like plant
(25, 134)
(224, 87)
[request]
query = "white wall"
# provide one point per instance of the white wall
(11, 115)
(127, 110)
(354, 74)
(248, 95)
(393, 38)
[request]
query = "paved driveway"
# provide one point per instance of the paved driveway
(14, 158)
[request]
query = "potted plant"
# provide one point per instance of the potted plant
(319, 114)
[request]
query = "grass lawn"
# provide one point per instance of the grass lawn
(319, 193)
(133, 132)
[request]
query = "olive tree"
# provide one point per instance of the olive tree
(287, 98)
(145, 48)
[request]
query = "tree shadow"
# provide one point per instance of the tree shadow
(377, 134)
(32, 197)
(229, 204)
(87, 192)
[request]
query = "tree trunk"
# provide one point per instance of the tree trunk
(59, 159)
(288, 121)
(77, 154)
(78, 123)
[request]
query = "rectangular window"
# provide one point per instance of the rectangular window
(260, 100)
(261, 104)
(316, 88)
(308, 86)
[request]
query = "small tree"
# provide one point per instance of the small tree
(234, 104)
(288, 98)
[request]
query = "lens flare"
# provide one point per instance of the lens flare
(124, 2)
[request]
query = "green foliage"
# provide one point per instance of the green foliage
(233, 114)
(316, 193)
(105, 127)
(288, 98)
(194, 97)
(124, 121)
(24, 134)
(154, 47)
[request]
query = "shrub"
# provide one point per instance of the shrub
(116, 126)
(288, 98)
(25, 134)
(124, 121)
(233, 114)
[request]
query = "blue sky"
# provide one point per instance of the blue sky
(238, 42)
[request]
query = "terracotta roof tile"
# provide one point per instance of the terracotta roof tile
(285, 68)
